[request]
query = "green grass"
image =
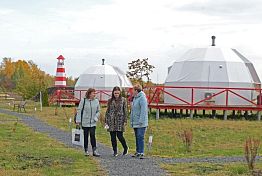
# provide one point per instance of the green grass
(210, 137)
(209, 169)
(25, 152)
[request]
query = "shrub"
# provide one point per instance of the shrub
(45, 98)
(187, 138)
(251, 150)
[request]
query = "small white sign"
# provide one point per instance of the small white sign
(150, 139)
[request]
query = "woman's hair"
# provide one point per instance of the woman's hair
(116, 88)
(89, 91)
(138, 87)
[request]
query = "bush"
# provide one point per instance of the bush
(251, 150)
(187, 138)
(45, 98)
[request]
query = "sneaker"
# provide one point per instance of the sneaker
(125, 152)
(95, 153)
(86, 153)
(141, 156)
(115, 154)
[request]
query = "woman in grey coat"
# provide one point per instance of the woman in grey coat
(116, 119)
(88, 113)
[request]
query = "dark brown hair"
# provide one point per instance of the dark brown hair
(89, 91)
(115, 89)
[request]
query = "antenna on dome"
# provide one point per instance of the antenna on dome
(103, 61)
(213, 40)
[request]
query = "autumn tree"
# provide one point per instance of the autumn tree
(6, 71)
(7, 67)
(138, 69)
(23, 77)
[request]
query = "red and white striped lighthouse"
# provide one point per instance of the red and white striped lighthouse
(60, 80)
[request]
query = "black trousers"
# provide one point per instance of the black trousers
(92, 132)
(120, 137)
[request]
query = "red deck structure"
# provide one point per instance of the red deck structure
(156, 100)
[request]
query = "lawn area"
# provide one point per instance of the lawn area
(25, 152)
(209, 169)
(211, 137)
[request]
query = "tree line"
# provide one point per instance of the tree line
(25, 78)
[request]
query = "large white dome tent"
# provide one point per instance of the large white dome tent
(103, 78)
(212, 67)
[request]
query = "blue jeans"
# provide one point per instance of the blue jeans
(140, 136)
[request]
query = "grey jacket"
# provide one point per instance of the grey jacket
(91, 112)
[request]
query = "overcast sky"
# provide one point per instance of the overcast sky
(85, 31)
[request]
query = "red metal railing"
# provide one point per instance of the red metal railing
(74, 96)
(155, 95)
(155, 99)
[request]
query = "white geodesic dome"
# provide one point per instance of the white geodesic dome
(212, 67)
(101, 77)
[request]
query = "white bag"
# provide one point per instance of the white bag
(78, 137)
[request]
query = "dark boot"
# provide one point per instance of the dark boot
(95, 153)
(115, 153)
(125, 152)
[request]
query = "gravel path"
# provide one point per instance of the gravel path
(121, 165)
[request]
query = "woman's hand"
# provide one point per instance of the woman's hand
(106, 126)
